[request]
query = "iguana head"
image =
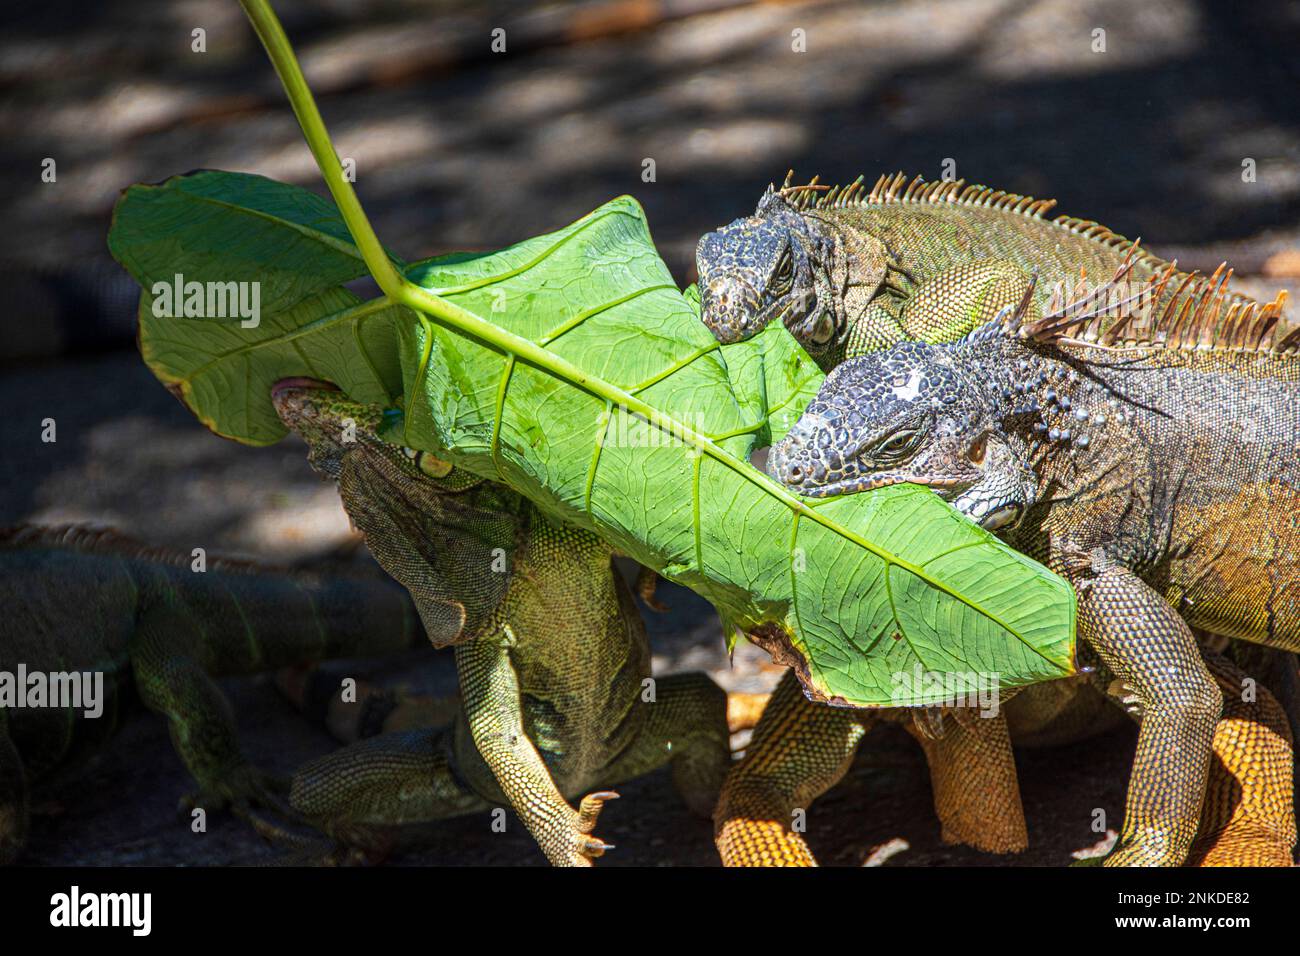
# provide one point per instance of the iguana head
(334, 427)
(916, 413)
(781, 264)
(445, 533)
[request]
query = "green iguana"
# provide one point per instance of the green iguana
(1147, 456)
(849, 271)
(90, 610)
(554, 666)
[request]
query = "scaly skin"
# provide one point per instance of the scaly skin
(1154, 469)
(88, 599)
(850, 272)
(1248, 818)
(551, 653)
(801, 749)
(816, 267)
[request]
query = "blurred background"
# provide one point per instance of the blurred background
(1175, 120)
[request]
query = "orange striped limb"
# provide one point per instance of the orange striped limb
(1248, 818)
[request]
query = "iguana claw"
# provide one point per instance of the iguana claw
(587, 847)
(590, 808)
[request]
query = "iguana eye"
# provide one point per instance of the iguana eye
(823, 331)
(896, 446)
(783, 274)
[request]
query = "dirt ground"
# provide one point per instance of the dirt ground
(461, 148)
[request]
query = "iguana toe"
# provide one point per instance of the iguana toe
(585, 848)
(593, 847)
(590, 809)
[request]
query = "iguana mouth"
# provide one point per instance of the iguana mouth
(308, 407)
(291, 396)
(947, 488)
(728, 306)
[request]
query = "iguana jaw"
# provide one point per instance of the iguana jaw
(809, 461)
(995, 499)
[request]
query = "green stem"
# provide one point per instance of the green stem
(267, 26)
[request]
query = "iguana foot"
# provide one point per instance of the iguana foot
(571, 843)
(585, 848)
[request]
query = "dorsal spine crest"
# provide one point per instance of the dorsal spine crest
(1202, 314)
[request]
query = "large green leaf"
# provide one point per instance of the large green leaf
(853, 591)
(224, 227)
(859, 588)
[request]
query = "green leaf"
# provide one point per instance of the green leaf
(852, 591)
(230, 227)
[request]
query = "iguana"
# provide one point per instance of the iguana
(849, 271)
(800, 749)
(1146, 454)
(87, 600)
(378, 793)
(554, 666)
